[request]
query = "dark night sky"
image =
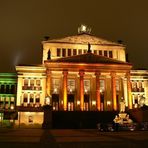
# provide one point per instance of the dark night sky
(24, 23)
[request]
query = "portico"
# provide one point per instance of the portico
(93, 86)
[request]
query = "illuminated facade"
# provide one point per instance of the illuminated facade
(8, 85)
(79, 73)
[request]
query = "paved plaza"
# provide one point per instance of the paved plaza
(61, 138)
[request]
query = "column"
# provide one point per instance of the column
(65, 73)
(81, 73)
(129, 91)
(19, 91)
(98, 101)
(113, 84)
(48, 82)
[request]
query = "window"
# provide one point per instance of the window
(134, 86)
(110, 54)
(31, 98)
(32, 84)
(86, 102)
(38, 82)
(38, 85)
(105, 53)
(71, 85)
(55, 101)
(117, 85)
(95, 51)
(7, 89)
(141, 89)
(12, 99)
(63, 52)
(80, 51)
(13, 89)
(58, 52)
(85, 51)
(69, 52)
(37, 100)
(100, 52)
(26, 82)
(70, 106)
(74, 51)
(56, 85)
(86, 86)
(25, 98)
(102, 86)
(2, 89)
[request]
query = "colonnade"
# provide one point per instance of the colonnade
(97, 91)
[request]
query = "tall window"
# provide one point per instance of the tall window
(58, 52)
(74, 52)
(85, 51)
(38, 85)
(110, 54)
(141, 88)
(31, 99)
(63, 52)
(56, 86)
(71, 85)
(86, 102)
(80, 51)
(134, 86)
(2, 89)
(102, 85)
(70, 103)
(7, 89)
(100, 52)
(69, 52)
(26, 82)
(32, 84)
(25, 99)
(86, 86)
(13, 89)
(105, 53)
(95, 51)
(117, 85)
(37, 100)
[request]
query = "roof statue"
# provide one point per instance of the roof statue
(84, 29)
(89, 48)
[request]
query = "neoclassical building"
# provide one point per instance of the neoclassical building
(79, 73)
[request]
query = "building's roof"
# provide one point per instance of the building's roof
(88, 58)
(83, 38)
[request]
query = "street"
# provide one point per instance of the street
(64, 138)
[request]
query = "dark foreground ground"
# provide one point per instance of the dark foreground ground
(79, 138)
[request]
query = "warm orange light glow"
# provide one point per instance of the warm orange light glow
(48, 83)
(114, 91)
(65, 90)
(81, 73)
(93, 103)
(98, 92)
(78, 102)
(129, 92)
(108, 103)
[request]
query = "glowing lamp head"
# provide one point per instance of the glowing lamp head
(12, 107)
(93, 103)
(108, 103)
(78, 102)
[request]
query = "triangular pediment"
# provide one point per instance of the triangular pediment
(83, 39)
(88, 58)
